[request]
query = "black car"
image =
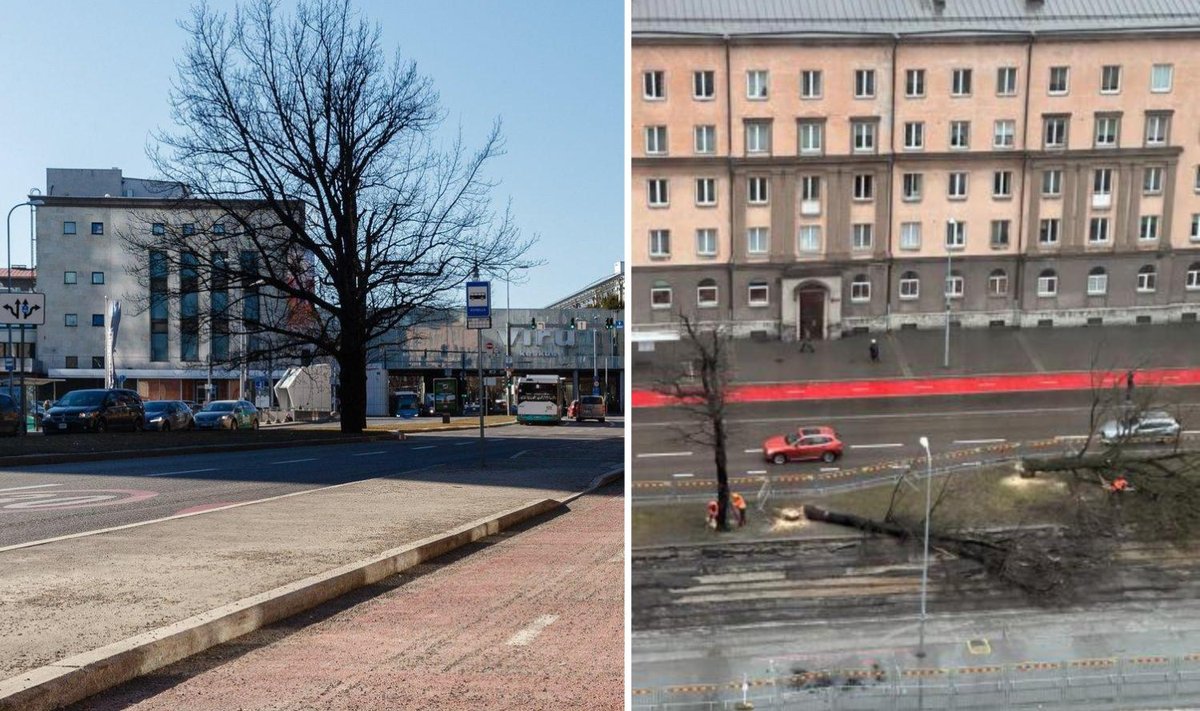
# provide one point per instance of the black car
(95, 411)
(167, 415)
(10, 416)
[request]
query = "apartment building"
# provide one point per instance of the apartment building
(838, 167)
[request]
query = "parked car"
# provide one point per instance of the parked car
(167, 415)
(806, 443)
(10, 415)
(590, 407)
(1154, 426)
(95, 411)
(227, 415)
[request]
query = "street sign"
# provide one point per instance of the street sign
(260, 383)
(489, 345)
(10, 364)
(479, 323)
(490, 382)
(19, 308)
(595, 389)
(508, 361)
(541, 325)
(479, 299)
(581, 324)
(620, 323)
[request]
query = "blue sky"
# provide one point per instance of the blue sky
(85, 83)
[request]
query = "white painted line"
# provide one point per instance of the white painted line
(664, 454)
(831, 469)
(366, 454)
(1070, 436)
(185, 471)
(296, 461)
(757, 471)
(1184, 432)
(876, 446)
(463, 444)
(34, 486)
(898, 466)
(972, 464)
(523, 451)
(752, 451)
(428, 446)
(684, 475)
(979, 441)
(531, 632)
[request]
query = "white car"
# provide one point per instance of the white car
(1149, 426)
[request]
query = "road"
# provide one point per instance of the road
(874, 430)
(38, 503)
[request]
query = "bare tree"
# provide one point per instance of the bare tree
(316, 156)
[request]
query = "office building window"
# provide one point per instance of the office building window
(706, 293)
(1059, 80)
(1048, 230)
(1102, 181)
(810, 187)
(1047, 283)
(957, 186)
(706, 242)
(956, 234)
(1157, 126)
(910, 235)
(910, 286)
(1147, 279)
(998, 283)
(860, 289)
(756, 84)
(757, 240)
(656, 140)
(70, 320)
(159, 314)
(1110, 79)
(71, 362)
(1097, 282)
(911, 185)
(810, 137)
(1193, 277)
(864, 136)
(1152, 180)
(98, 362)
(656, 189)
(810, 84)
(1148, 229)
(864, 83)
(70, 278)
(1002, 184)
(960, 82)
(758, 137)
(758, 190)
(98, 320)
(1004, 134)
(864, 186)
(706, 139)
(68, 228)
(1161, 76)
(1107, 129)
(863, 236)
(914, 83)
(960, 134)
(704, 85)
(97, 277)
(660, 295)
(1098, 230)
(1052, 182)
(188, 228)
(218, 228)
(654, 86)
(1055, 133)
(808, 239)
(1006, 81)
(914, 135)
(1000, 234)
(660, 243)
(97, 228)
(706, 191)
(758, 293)
(158, 228)
(955, 286)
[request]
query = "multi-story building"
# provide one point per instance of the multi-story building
(832, 167)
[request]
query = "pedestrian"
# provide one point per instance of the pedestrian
(1129, 385)
(806, 345)
(1119, 485)
(739, 505)
(874, 350)
(712, 515)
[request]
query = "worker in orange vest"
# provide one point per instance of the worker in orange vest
(1119, 484)
(712, 514)
(739, 504)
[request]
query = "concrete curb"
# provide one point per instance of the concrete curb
(69, 680)
(63, 458)
(604, 479)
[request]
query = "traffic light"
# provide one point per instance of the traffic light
(608, 323)
(572, 326)
(533, 323)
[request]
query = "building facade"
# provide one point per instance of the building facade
(827, 168)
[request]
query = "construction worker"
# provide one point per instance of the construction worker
(1119, 484)
(739, 505)
(712, 514)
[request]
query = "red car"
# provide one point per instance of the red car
(806, 443)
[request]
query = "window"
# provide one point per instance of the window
(808, 239)
(158, 228)
(706, 242)
(998, 283)
(810, 187)
(1196, 181)
(957, 186)
(810, 84)
(757, 239)
(1148, 228)
(960, 82)
(98, 320)
(97, 228)
(910, 286)
(1048, 231)
(97, 277)
(914, 135)
(706, 191)
(656, 189)
(68, 228)
(1102, 181)
(860, 289)
(189, 307)
(956, 234)
(1107, 128)
(864, 83)
(863, 236)
(705, 139)
(71, 361)
(1110, 79)
(704, 85)
(1059, 79)
(70, 278)
(756, 84)
(1193, 277)
(653, 86)
(954, 286)
(758, 191)
(911, 186)
(1147, 279)
(660, 295)
(1055, 133)
(960, 134)
(910, 235)
(758, 137)
(914, 83)
(660, 243)
(1002, 184)
(1047, 283)
(1052, 182)
(1003, 134)
(189, 228)
(864, 136)
(218, 228)
(98, 362)
(810, 137)
(656, 140)
(1152, 180)
(864, 186)
(1161, 76)
(159, 316)
(1156, 129)
(1006, 81)
(999, 234)
(758, 293)
(1098, 230)
(71, 320)
(706, 293)
(1097, 282)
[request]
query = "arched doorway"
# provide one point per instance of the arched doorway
(811, 309)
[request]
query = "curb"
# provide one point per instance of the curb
(36, 459)
(604, 479)
(69, 680)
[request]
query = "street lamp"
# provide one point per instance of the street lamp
(925, 561)
(8, 240)
(508, 331)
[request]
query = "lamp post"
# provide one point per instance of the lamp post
(508, 331)
(925, 560)
(8, 240)
(953, 225)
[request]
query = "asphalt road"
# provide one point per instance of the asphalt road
(37, 503)
(873, 430)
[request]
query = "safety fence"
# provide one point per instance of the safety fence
(1105, 683)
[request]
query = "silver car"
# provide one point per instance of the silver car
(1149, 426)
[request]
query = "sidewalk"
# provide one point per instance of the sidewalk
(63, 599)
(533, 620)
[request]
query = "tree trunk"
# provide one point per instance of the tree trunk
(353, 386)
(722, 475)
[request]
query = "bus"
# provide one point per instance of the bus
(408, 403)
(540, 399)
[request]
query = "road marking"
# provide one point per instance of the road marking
(296, 461)
(72, 499)
(683, 475)
(34, 486)
(1191, 432)
(757, 471)
(664, 454)
(1070, 436)
(876, 446)
(531, 632)
(184, 471)
(428, 446)
(462, 444)
(978, 441)
(831, 469)
(367, 454)
(523, 451)
(752, 451)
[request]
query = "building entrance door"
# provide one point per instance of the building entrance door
(810, 312)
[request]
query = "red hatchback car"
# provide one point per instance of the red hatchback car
(806, 443)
